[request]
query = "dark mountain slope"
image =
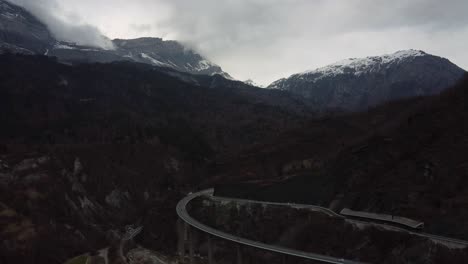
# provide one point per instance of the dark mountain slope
(86, 150)
(418, 169)
(408, 158)
(314, 144)
(88, 103)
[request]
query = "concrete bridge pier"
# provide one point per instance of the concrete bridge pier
(181, 237)
(239, 254)
(191, 242)
(185, 231)
(210, 251)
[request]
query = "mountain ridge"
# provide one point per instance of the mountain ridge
(356, 84)
(22, 32)
(14, 21)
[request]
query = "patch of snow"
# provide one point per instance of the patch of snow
(154, 61)
(35, 35)
(204, 65)
(224, 75)
(172, 63)
(69, 46)
(10, 16)
(15, 49)
(277, 84)
(253, 83)
(63, 46)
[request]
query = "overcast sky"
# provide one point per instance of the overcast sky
(265, 40)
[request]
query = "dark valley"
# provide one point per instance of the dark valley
(146, 151)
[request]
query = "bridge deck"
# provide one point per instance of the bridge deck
(384, 217)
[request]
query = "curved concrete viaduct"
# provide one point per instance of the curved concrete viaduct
(183, 214)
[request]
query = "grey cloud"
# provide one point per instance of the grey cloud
(268, 39)
(432, 15)
(265, 20)
(63, 25)
(249, 36)
(142, 28)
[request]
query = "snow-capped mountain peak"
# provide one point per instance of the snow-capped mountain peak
(253, 83)
(356, 84)
(359, 66)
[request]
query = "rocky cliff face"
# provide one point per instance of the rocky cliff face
(21, 32)
(356, 84)
(170, 54)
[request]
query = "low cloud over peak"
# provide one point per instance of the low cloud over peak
(65, 26)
